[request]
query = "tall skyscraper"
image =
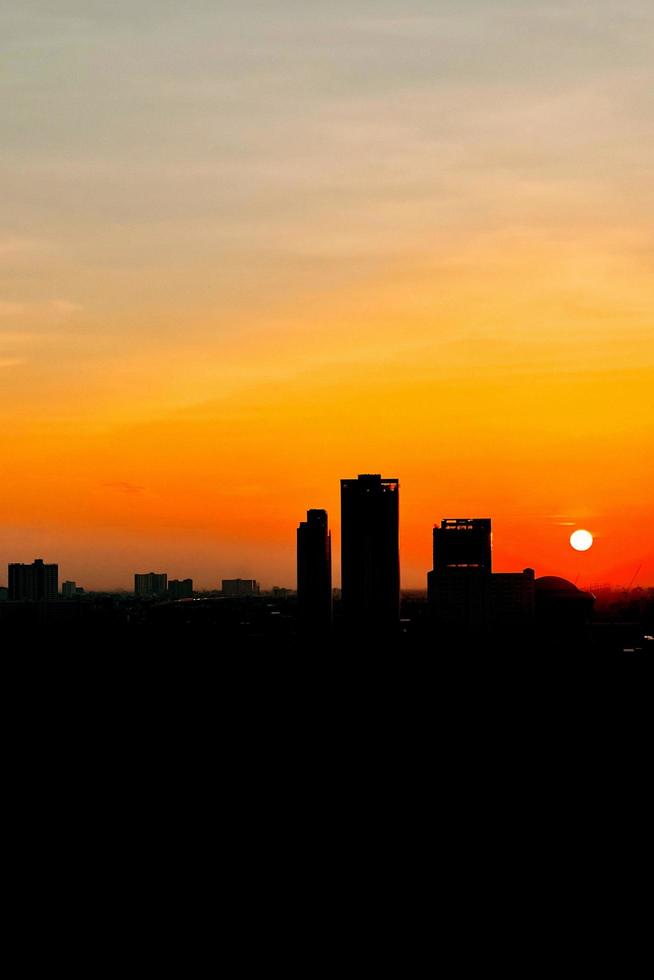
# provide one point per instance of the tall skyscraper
(314, 571)
(370, 553)
(151, 584)
(33, 582)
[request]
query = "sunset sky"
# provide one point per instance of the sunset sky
(249, 248)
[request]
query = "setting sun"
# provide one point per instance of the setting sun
(581, 540)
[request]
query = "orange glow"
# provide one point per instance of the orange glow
(210, 487)
(286, 248)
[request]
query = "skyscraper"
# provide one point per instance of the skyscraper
(466, 598)
(33, 582)
(463, 543)
(459, 585)
(370, 554)
(314, 571)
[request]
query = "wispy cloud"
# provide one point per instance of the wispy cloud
(64, 307)
(11, 309)
(53, 310)
(121, 486)
(14, 246)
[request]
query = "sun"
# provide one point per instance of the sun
(581, 540)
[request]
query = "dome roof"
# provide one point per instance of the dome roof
(552, 583)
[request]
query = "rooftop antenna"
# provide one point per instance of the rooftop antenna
(633, 577)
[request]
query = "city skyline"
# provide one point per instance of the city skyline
(248, 248)
(468, 536)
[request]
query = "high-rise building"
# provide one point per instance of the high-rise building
(33, 582)
(314, 571)
(68, 589)
(464, 543)
(240, 587)
(465, 596)
(180, 588)
(151, 584)
(370, 553)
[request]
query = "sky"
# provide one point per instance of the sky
(248, 249)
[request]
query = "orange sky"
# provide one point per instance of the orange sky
(233, 280)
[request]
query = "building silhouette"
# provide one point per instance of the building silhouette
(240, 587)
(512, 605)
(314, 571)
(33, 582)
(463, 543)
(465, 596)
(370, 554)
(180, 588)
(68, 589)
(151, 584)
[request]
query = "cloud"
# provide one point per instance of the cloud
(11, 309)
(64, 307)
(120, 486)
(15, 246)
(16, 336)
(53, 310)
